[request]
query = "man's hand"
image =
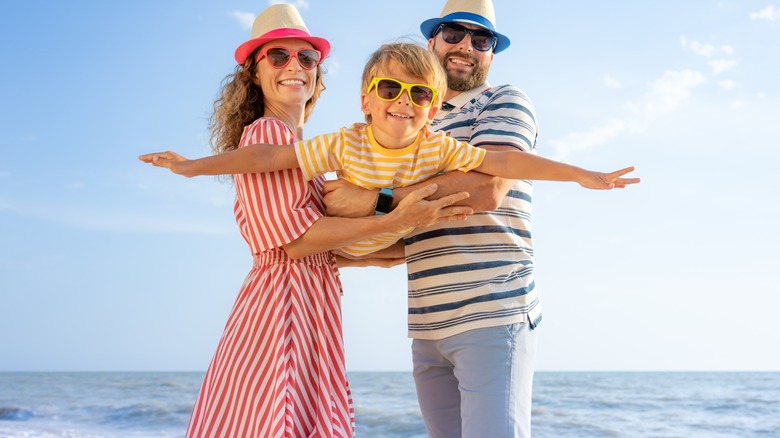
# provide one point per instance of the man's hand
(416, 211)
(344, 199)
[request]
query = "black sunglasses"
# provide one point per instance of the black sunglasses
(482, 40)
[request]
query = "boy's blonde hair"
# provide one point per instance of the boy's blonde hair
(415, 60)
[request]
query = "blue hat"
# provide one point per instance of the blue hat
(475, 12)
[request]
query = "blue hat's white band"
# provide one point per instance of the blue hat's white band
(467, 17)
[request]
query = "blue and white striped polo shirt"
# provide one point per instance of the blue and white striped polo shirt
(478, 273)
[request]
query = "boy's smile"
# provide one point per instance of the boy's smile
(396, 123)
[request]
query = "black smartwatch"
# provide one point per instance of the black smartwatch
(384, 201)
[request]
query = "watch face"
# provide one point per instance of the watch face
(384, 203)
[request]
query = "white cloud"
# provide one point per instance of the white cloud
(698, 48)
(4, 174)
(737, 104)
(769, 13)
(593, 137)
(245, 19)
(705, 50)
(727, 84)
(668, 92)
(332, 66)
(666, 95)
(299, 4)
(611, 82)
(30, 138)
(720, 65)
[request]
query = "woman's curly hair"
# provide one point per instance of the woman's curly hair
(241, 102)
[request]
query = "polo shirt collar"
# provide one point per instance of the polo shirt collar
(465, 97)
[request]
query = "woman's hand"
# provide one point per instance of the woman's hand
(415, 211)
(607, 181)
(170, 160)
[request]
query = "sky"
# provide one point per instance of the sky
(107, 264)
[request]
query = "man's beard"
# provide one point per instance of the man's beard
(456, 81)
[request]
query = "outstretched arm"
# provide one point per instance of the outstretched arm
(528, 166)
(256, 158)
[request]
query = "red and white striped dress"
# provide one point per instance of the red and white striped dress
(279, 367)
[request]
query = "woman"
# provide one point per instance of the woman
(279, 366)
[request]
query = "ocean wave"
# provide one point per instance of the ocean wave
(145, 415)
(13, 413)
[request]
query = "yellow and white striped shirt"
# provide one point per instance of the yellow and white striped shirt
(355, 154)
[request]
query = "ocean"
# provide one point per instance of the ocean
(566, 404)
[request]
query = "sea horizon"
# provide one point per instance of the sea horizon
(398, 371)
(577, 404)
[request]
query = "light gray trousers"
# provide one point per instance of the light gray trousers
(477, 384)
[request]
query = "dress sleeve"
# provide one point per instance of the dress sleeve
(275, 207)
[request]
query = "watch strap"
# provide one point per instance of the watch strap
(384, 201)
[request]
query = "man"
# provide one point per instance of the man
(472, 300)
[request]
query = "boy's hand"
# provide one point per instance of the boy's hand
(170, 160)
(607, 181)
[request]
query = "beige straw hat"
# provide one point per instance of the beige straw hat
(277, 22)
(475, 12)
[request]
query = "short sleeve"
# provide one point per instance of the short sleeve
(457, 155)
(319, 155)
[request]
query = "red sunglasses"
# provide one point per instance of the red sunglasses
(279, 57)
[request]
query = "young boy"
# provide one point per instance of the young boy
(394, 148)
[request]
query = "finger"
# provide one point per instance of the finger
(329, 187)
(456, 211)
(452, 199)
(626, 181)
(149, 157)
(618, 173)
(424, 192)
(453, 218)
(161, 161)
(395, 262)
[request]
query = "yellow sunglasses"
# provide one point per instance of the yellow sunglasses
(389, 89)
